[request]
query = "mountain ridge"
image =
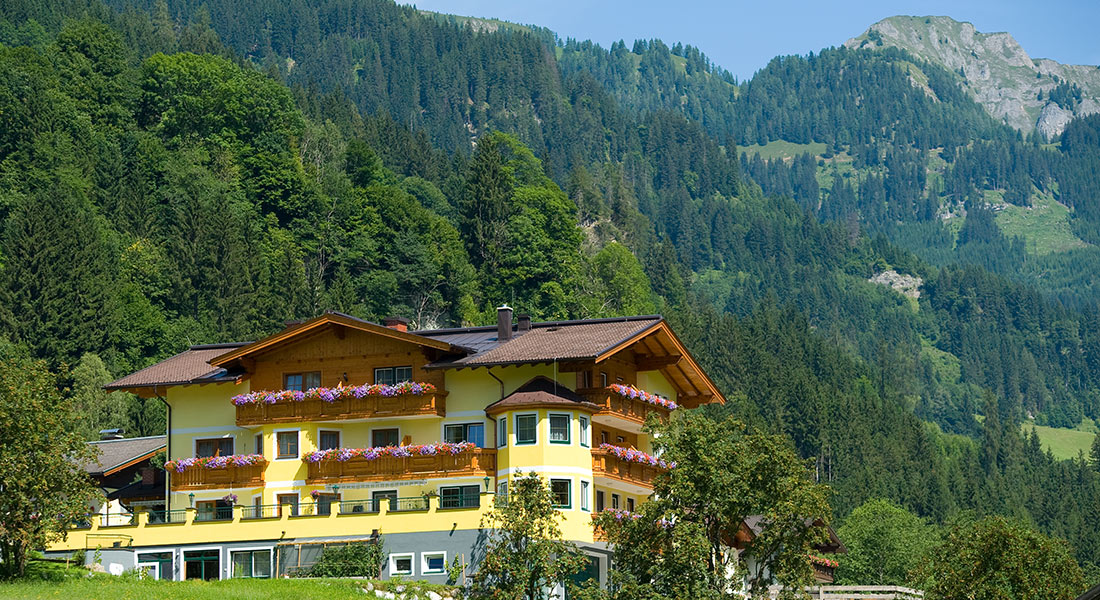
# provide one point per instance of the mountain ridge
(995, 69)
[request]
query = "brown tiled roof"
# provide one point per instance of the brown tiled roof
(117, 453)
(541, 391)
(186, 367)
(547, 342)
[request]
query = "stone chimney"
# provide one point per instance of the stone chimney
(398, 323)
(504, 323)
(523, 323)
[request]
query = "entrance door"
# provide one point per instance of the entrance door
(202, 564)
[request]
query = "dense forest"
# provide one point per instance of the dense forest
(177, 172)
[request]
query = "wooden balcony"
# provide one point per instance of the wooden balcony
(200, 477)
(823, 573)
(434, 404)
(606, 464)
(481, 463)
(617, 406)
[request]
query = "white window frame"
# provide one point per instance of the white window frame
(225, 436)
(502, 432)
(568, 429)
(535, 442)
(275, 435)
(393, 560)
(370, 434)
(443, 429)
(424, 562)
(586, 492)
(584, 424)
(339, 436)
(270, 566)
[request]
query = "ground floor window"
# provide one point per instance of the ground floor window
(157, 565)
(591, 571)
(460, 496)
(433, 562)
(251, 563)
(401, 564)
(202, 564)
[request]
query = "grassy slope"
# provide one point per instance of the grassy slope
(782, 149)
(1045, 225)
(1063, 443)
(106, 587)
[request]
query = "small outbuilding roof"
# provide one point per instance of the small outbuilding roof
(541, 392)
(115, 455)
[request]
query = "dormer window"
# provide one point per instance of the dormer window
(392, 375)
(300, 382)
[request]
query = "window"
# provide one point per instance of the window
(559, 429)
(560, 489)
(630, 504)
(527, 429)
(465, 432)
(202, 564)
(392, 375)
(583, 421)
(380, 438)
(291, 499)
(160, 564)
(584, 496)
(502, 432)
(620, 439)
(401, 564)
(502, 489)
(377, 496)
(251, 563)
(584, 379)
(433, 562)
(213, 510)
(288, 444)
(300, 382)
(605, 437)
(259, 443)
(603, 379)
(599, 501)
(329, 440)
(460, 496)
(615, 501)
(214, 447)
(325, 502)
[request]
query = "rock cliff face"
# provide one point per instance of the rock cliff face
(996, 70)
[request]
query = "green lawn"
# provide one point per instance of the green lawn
(107, 587)
(1045, 225)
(783, 149)
(1063, 443)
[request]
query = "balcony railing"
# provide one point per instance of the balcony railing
(199, 477)
(607, 464)
(292, 411)
(479, 462)
(613, 404)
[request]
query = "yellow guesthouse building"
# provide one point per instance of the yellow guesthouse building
(338, 430)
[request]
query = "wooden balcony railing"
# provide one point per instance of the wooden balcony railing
(480, 462)
(434, 403)
(824, 573)
(616, 405)
(200, 477)
(606, 464)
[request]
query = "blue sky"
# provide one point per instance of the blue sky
(743, 36)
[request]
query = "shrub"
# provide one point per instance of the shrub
(353, 560)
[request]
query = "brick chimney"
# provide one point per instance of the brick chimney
(148, 478)
(523, 323)
(504, 323)
(398, 323)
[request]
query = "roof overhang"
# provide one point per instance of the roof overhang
(297, 331)
(658, 348)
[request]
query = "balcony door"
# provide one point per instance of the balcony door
(214, 447)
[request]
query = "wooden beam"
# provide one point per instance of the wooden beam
(653, 363)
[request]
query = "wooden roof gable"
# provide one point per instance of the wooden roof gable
(658, 348)
(297, 331)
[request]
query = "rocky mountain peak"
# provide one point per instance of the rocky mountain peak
(1024, 92)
